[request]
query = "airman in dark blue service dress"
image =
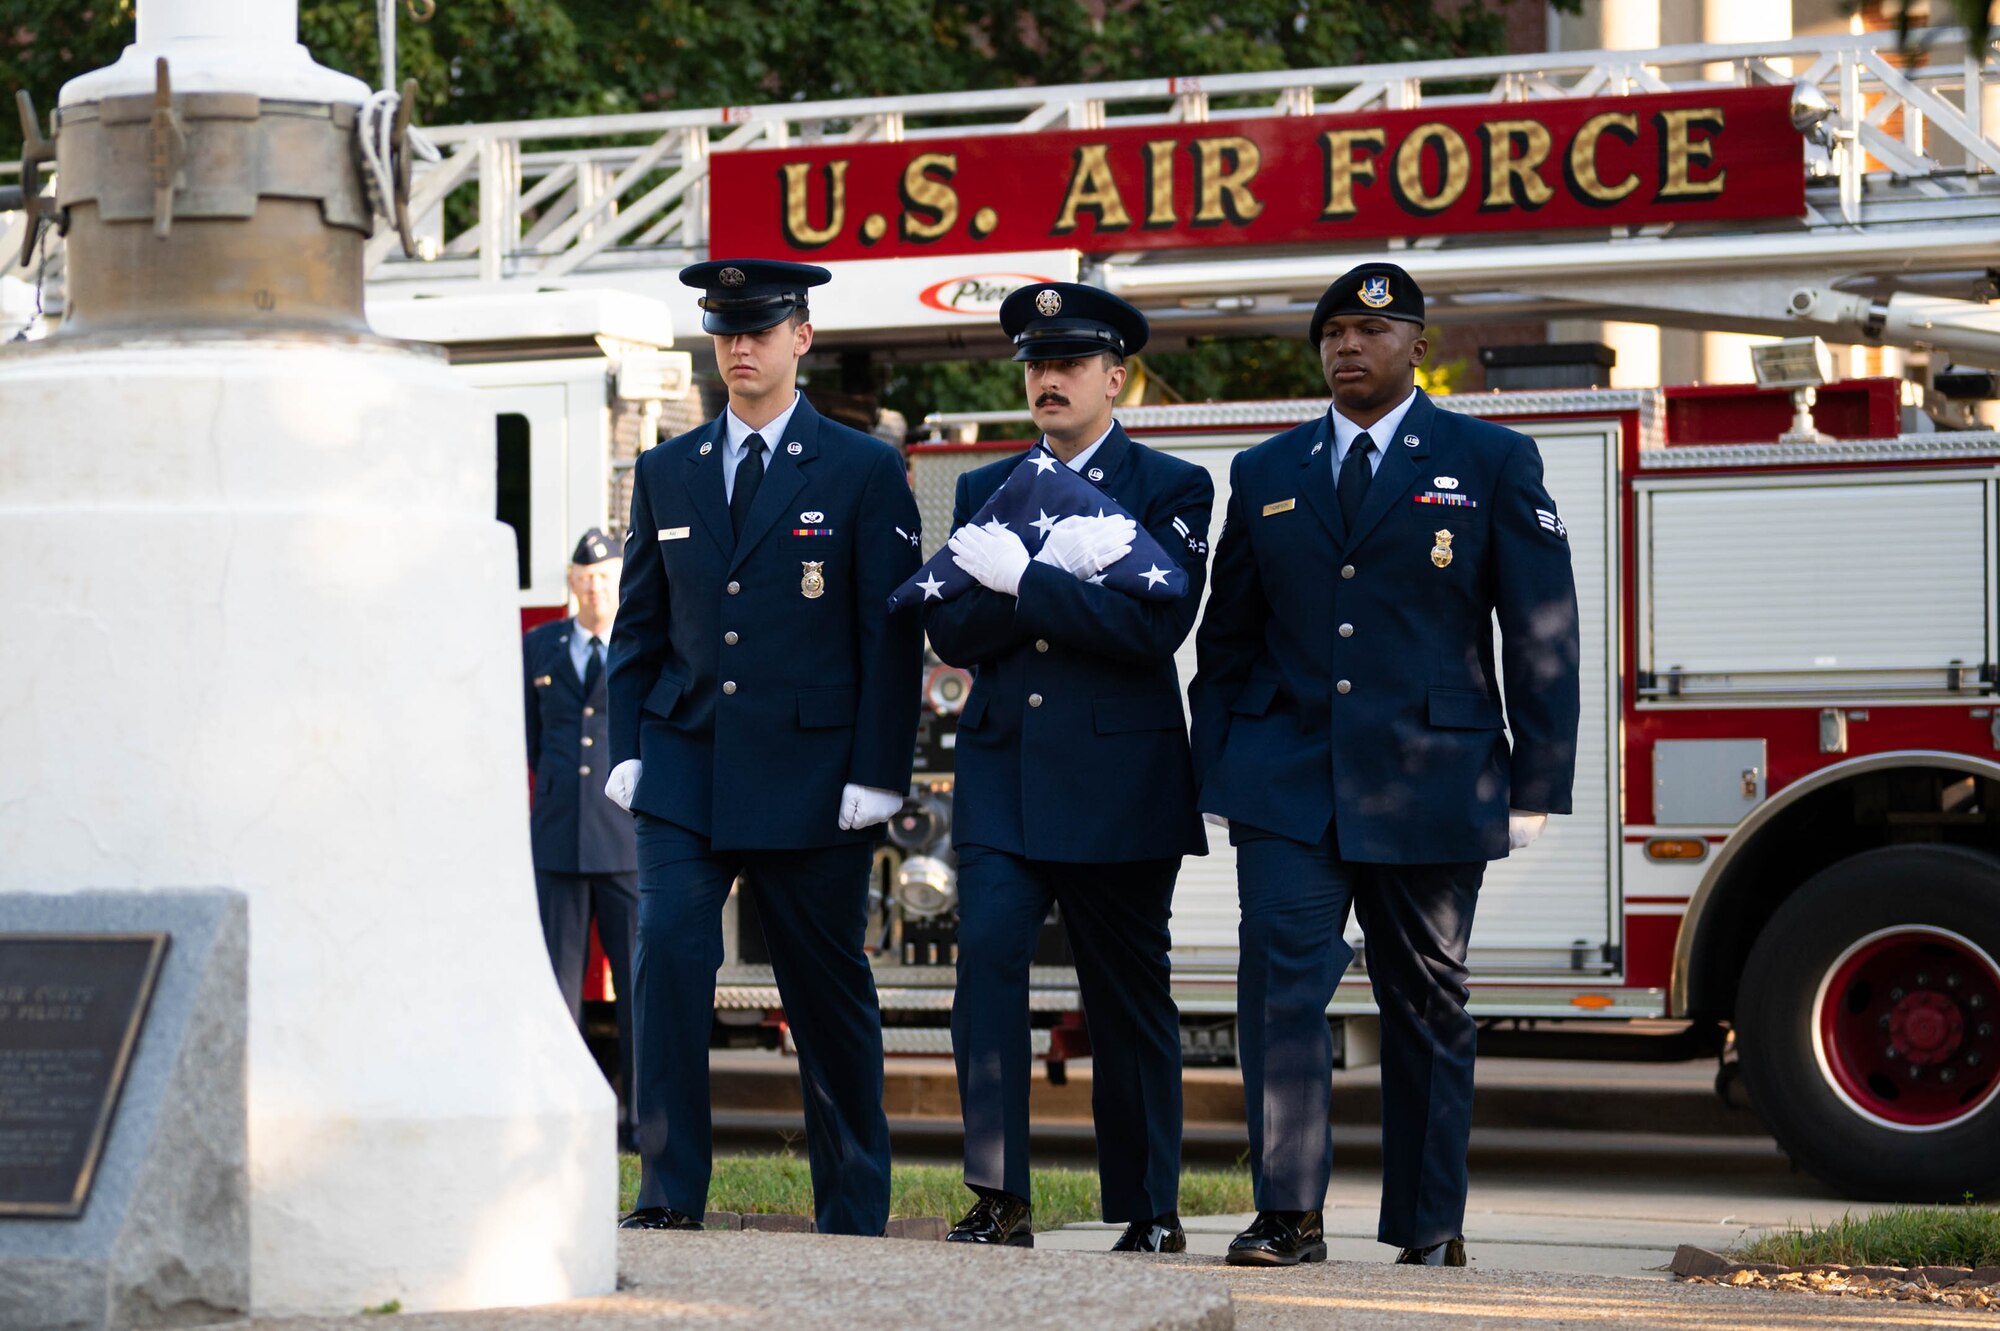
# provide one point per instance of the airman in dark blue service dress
(585, 862)
(1074, 784)
(1348, 724)
(763, 714)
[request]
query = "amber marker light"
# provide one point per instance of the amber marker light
(1591, 1001)
(1676, 848)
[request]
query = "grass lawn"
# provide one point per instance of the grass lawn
(1907, 1236)
(782, 1185)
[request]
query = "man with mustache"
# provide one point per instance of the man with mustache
(1348, 727)
(1074, 784)
(763, 719)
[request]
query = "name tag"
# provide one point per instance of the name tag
(674, 533)
(1282, 506)
(543, 681)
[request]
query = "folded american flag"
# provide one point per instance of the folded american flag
(1036, 495)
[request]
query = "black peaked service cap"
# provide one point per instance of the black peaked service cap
(750, 295)
(594, 547)
(1370, 288)
(1068, 321)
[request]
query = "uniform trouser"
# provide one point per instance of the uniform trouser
(1116, 917)
(814, 908)
(568, 900)
(1416, 920)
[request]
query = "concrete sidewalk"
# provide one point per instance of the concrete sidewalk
(812, 1282)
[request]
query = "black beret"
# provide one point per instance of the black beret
(594, 548)
(1068, 321)
(750, 295)
(1371, 288)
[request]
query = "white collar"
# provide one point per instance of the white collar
(1382, 431)
(1077, 463)
(583, 635)
(736, 434)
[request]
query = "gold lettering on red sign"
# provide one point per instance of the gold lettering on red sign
(1515, 151)
(1407, 184)
(930, 204)
(1160, 184)
(1680, 149)
(799, 230)
(1342, 167)
(1223, 170)
(1092, 189)
(1580, 170)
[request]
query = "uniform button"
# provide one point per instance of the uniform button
(1344, 687)
(590, 711)
(730, 637)
(1347, 630)
(583, 771)
(729, 686)
(588, 741)
(1346, 571)
(736, 587)
(1034, 700)
(1041, 644)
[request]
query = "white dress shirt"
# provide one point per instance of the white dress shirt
(579, 645)
(1082, 460)
(1382, 432)
(736, 441)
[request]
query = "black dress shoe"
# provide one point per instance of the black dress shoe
(1449, 1253)
(997, 1218)
(1280, 1238)
(659, 1217)
(1163, 1233)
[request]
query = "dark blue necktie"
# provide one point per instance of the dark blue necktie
(593, 669)
(749, 475)
(1355, 473)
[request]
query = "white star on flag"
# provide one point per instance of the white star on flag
(1096, 581)
(1031, 501)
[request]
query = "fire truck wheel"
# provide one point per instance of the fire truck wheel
(1869, 1024)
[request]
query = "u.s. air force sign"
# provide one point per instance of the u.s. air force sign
(1274, 180)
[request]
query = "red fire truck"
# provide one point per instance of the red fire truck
(1783, 851)
(1785, 848)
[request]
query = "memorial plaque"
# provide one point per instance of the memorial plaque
(71, 1006)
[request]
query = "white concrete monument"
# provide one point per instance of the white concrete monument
(261, 635)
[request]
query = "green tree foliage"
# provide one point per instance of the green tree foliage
(484, 60)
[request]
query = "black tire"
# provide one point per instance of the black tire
(1822, 1086)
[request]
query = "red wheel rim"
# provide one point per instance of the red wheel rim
(1906, 1027)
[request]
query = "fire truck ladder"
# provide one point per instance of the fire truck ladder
(1901, 223)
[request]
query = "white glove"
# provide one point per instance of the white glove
(1523, 828)
(993, 555)
(865, 806)
(1217, 819)
(623, 781)
(1084, 547)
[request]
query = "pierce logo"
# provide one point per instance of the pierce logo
(975, 293)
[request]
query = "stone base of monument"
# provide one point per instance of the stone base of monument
(124, 1198)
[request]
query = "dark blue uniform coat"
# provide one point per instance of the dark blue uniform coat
(754, 678)
(1074, 789)
(575, 826)
(751, 697)
(586, 860)
(1407, 761)
(1097, 769)
(1348, 723)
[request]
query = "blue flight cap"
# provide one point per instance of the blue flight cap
(594, 547)
(750, 295)
(1069, 321)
